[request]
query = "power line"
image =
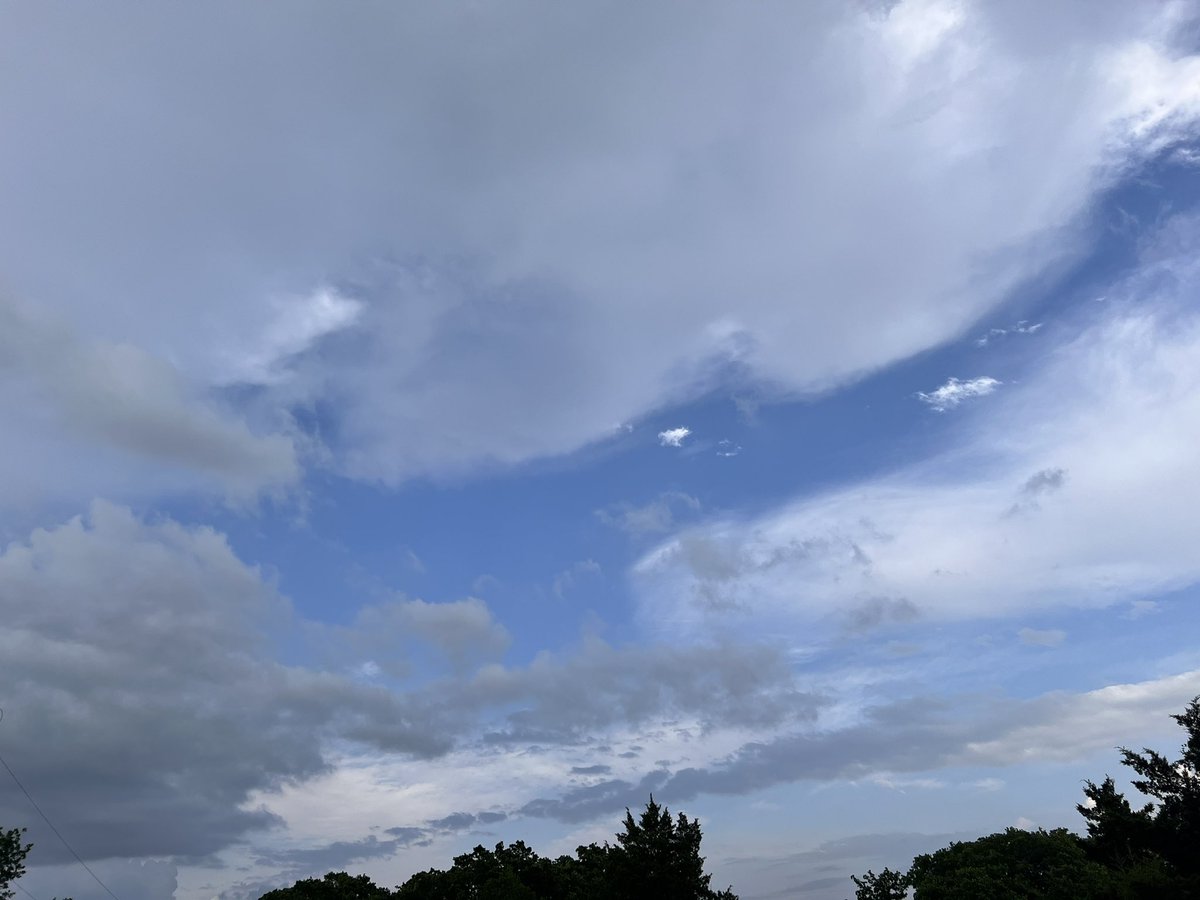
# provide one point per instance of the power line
(57, 833)
(18, 886)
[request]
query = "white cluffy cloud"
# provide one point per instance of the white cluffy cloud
(673, 437)
(954, 392)
(538, 249)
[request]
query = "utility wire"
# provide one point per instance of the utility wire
(57, 833)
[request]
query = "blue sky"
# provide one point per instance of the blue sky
(432, 426)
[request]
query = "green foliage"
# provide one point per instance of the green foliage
(659, 857)
(334, 886)
(1011, 865)
(887, 885)
(655, 858)
(12, 859)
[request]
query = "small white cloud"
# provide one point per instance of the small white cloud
(1025, 824)
(1034, 637)
(673, 437)
(954, 392)
(728, 448)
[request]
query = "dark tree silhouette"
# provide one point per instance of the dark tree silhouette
(12, 859)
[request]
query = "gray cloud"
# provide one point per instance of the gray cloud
(877, 611)
(149, 879)
(453, 822)
(143, 703)
(585, 803)
(330, 857)
(823, 873)
(598, 769)
(146, 707)
(914, 735)
(659, 515)
(571, 698)
(63, 391)
(1045, 481)
(390, 633)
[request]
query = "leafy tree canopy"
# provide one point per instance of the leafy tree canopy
(656, 857)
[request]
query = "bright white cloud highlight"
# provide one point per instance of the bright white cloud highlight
(673, 437)
(954, 392)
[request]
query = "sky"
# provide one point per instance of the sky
(427, 425)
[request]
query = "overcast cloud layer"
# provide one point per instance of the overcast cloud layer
(429, 425)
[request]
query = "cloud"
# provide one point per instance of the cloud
(565, 580)
(657, 516)
(728, 448)
(1141, 608)
(453, 822)
(1049, 637)
(1044, 482)
(298, 324)
(149, 879)
(505, 252)
(954, 392)
(598, 769)
(65, 392)
(877, 611)
(927, 735)
(332, 856)
(144, 704)
(572, 697)
(393, 632)
(673, 437)
(1022, 327)
(897, 739)
(1097, 440)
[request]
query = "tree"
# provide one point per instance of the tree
(12, 859)
(334, 886)
(1155, 849)
(887, 885)
(659, 857)
(1011, 865)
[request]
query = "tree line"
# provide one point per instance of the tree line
(655, 856)
(1147, 852)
